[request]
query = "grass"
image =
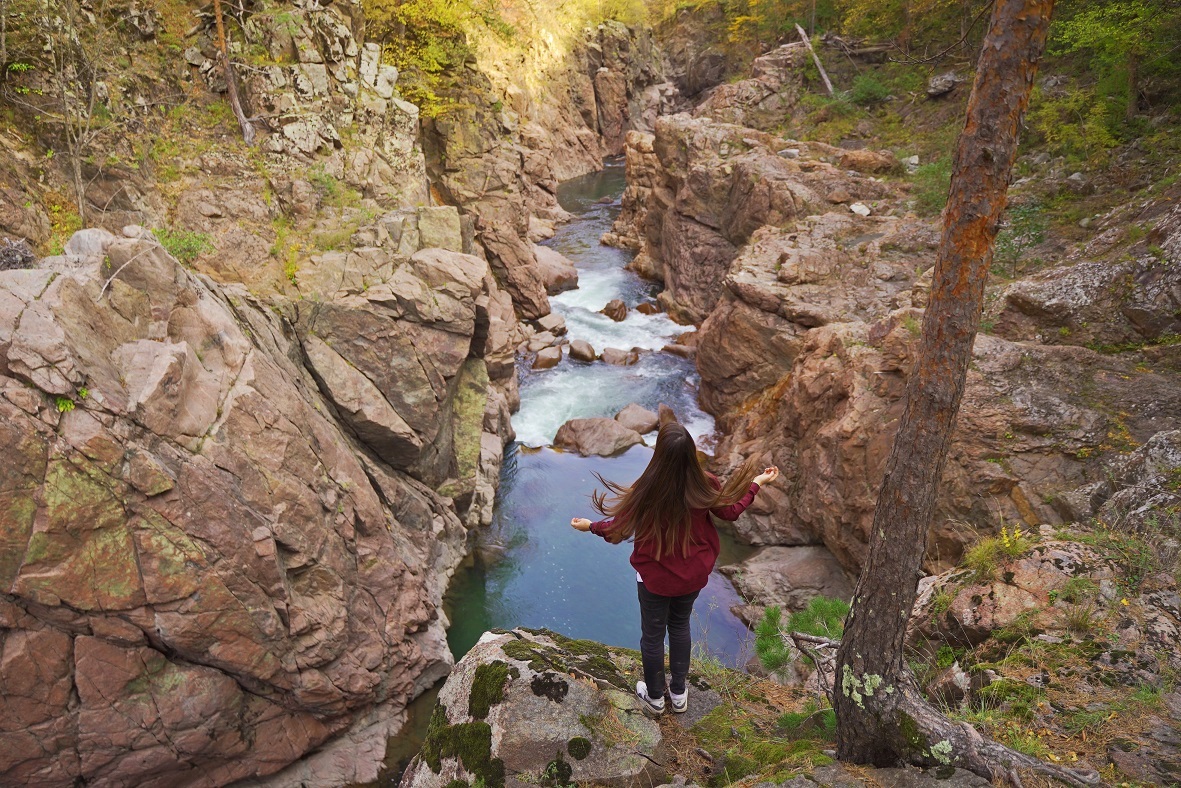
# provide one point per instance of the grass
(931, 185)
(766, 732)
(984, 557)
(185, 245)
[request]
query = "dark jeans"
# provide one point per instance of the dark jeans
(659, 614)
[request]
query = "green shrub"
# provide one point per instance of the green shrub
(823, 617)
(1024, 228)
(866, 91)
(185, 245)
(931, 185)
(984, 556)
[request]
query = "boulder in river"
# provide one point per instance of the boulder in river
(548, 357)
(598, 436)
(553, 323)
(582, 350)
(666, 414)
(615, 309)
(558, 273)
(622, 358)
(638, 418)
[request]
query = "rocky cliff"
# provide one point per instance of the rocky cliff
(520, 128)
(806, 271)
(228, 522)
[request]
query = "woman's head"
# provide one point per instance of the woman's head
(658, 505)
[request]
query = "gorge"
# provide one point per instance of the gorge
(282, 436)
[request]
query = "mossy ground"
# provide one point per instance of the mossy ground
(761, 731)
(1065, 687)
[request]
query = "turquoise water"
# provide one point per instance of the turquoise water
(548, 574)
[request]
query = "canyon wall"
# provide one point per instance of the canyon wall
(807, 273)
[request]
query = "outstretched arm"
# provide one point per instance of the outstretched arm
(732, 511)
(601, 528)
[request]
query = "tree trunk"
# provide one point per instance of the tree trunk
(231, 80)
(1133, 106)
(881, 716)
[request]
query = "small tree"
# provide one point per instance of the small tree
(70, 48)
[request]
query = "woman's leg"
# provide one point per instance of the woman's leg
(680, 644)
(653, 621)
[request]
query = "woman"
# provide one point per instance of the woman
(666, 514)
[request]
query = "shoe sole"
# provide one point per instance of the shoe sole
(681, 710)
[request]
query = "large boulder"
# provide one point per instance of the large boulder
(598, 436)
(790, 577)
(557, 270)
(208, 567)
(526, 707)
(638, 418)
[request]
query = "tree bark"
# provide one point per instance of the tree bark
(882, 717)
(1133, 105)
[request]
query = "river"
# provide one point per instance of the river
(550, 575)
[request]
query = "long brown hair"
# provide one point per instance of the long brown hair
(657, 507)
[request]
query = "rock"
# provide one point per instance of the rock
(638, 418)
(790, 153)
(15, 254)
(684, 351)
(547, 358)
(789, 576)
(873, 162)
(598, 436)
(699, 190)
(553, 323)
(950, 686)
(581, 349)
(942, 84)
(438, 227)
(616, 310)
(666, 414)
(232, 580)
(619, 357)
(557, 271)
(648, 308)
(519, 688)
(542, 339)
(88, 243)
(861, 209)
(1108, 303)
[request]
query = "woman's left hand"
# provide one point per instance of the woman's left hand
(768, 475)
(580, 524)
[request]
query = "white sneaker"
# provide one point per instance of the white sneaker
(680, 703)
(653, 706)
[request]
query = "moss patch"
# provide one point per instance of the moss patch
(557, 772)
(487, 688)
(579, 747)
(470, 742)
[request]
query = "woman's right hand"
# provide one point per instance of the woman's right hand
(580, 524)
(768, 475)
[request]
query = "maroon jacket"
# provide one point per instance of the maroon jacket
(676, 574)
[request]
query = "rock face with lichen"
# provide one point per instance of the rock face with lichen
(532, 707)
(226, 525)
(810, 315)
